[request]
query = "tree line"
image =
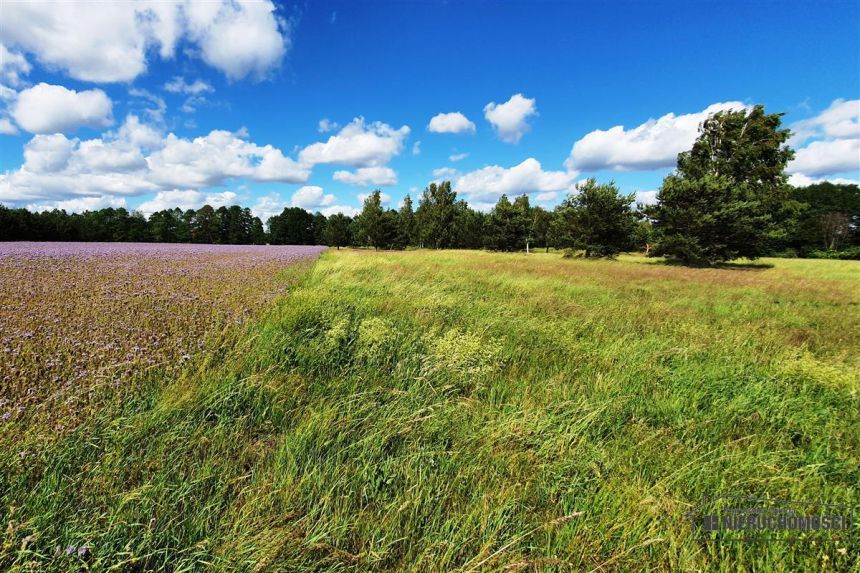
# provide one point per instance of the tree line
(729, 197)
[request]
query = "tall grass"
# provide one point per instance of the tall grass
(465, 411)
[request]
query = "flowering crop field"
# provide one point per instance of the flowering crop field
(76, 318)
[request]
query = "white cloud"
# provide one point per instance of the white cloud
(81, 204)
(827, 157)
(454, 122)
(510, 118)
(210, 160)
(311, 197)
(647, 197)
(384, 198)
(445, 173)
(192, 103)
(342, 209)
(326, 125)
(7, 127)
(366, 176)
(652, 145)
(137, 160)
(48, 153)
(835, 142)
(358, 145)
(458, 156)
(799, 180)
(489, 183)
(46, 108)
(12, 66)
(416, 148)
(840, 120)
(139, 134)
(268, 206)
(186, 199)
(155, 113)
(178, 85)
(547, 196)
(110, 41)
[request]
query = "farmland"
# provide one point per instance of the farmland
(420, 410)
(78, 318)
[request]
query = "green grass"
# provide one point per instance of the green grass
(468, 411)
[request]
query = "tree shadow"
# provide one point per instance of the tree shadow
(731, 265)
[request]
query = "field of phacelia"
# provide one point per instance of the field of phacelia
(80, 318)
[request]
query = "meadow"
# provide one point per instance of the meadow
(439, 411)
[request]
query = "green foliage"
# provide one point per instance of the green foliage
(727, 196)
(338, 231)
(436, 215)
(827, 217)
(596, 219)
(376, 227)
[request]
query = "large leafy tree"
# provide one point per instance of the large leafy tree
(727, 197)
(435, 216)
(597, 219)
(337, 230)
(373, 225)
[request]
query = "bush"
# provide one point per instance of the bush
(848, 254)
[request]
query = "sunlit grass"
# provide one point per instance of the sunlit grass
(469, 411)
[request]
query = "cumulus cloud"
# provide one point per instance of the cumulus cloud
(840, 120)
(827, 157)
(652, 145)
(46, 108)
(342, 209)
(311, 197)
(444, 173)
(211, 159)
(366, 176)
(384, 198)
(12, 66)
(489, 183)
(647, 197)
(454, 122)
(240, 38)
(357, 144)
(186, 199)
(157, 106)
(268, 206)
(510, 119)
(416, 148)
(7, 127)
(178, 85)
(799, 180)
(548, 196)
(137, 160)
(458, 156)
(326, 125)
(833, 138)
(80, 204)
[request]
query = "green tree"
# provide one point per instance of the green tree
(435, 216)
(406, 222)
(504, 230)
(337, 231)
(371, 225)
(726, 198)
(597, 219)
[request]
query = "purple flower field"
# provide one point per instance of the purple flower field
(76, 318)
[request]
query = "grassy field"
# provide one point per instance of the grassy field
(467, 411)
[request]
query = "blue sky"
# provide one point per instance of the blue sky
(151, 105)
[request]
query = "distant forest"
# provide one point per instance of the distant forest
(823, 223)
